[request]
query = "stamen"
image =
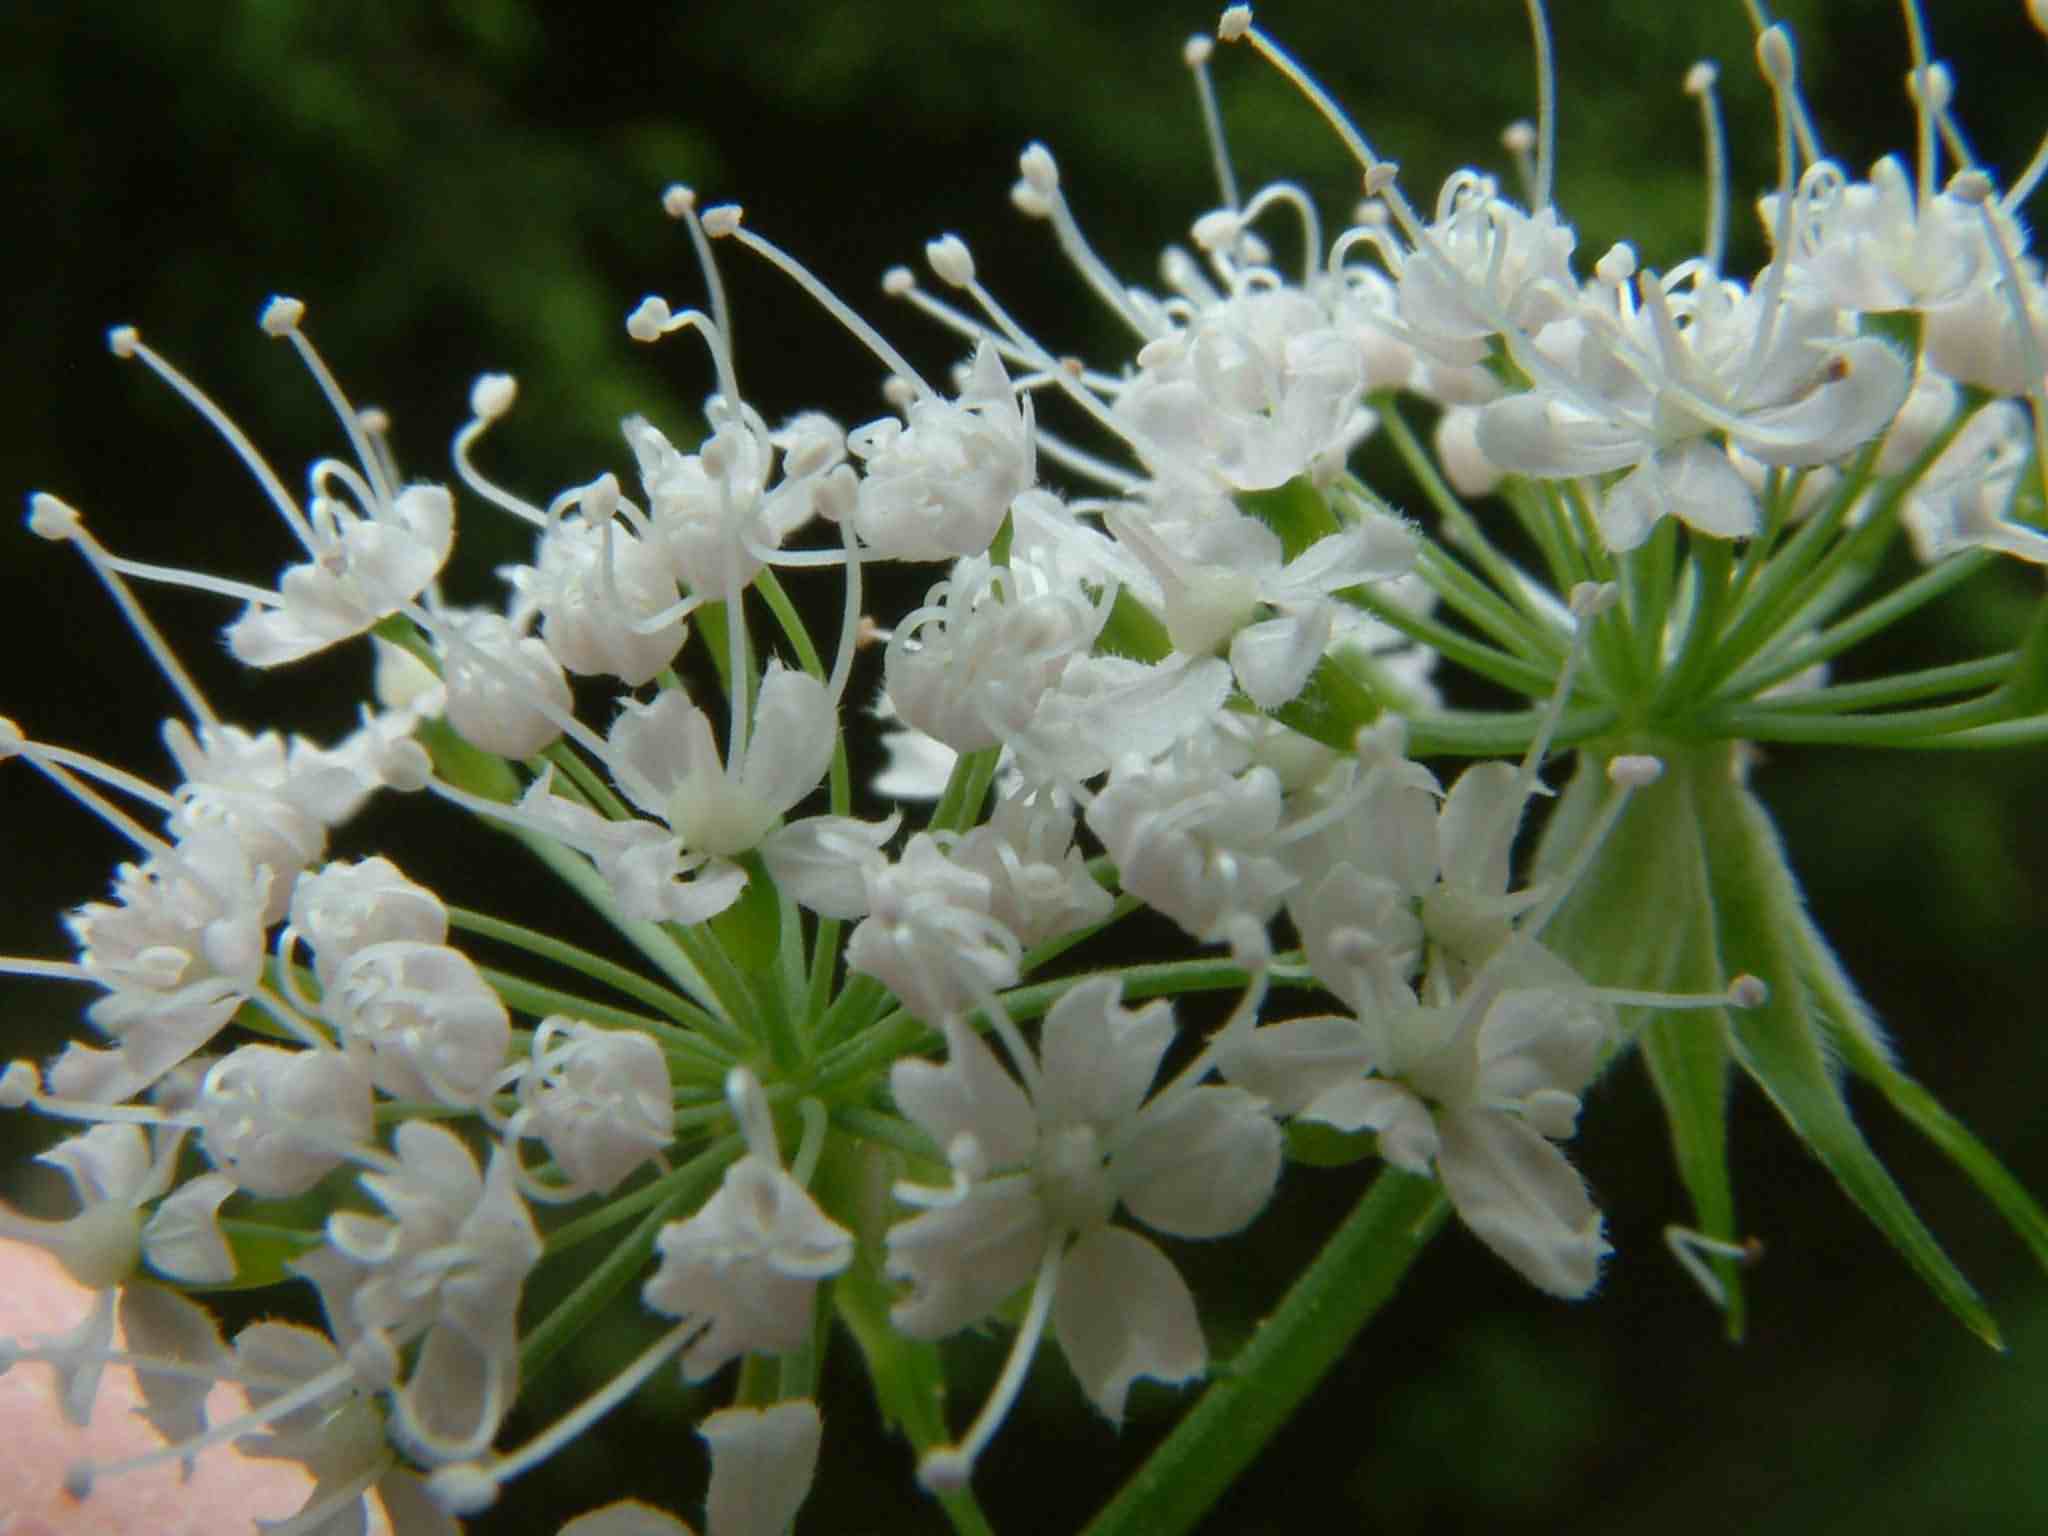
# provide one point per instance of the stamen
(60, 522)
(1519, 140)
(1699, 81)
(1920, 88)
(124, 341)
(1627, 774)
(680, 202)
(812, 1145)
(490, 397)
(469, 1487)
(50, 763)
(1037, 195)
(1546, 105)
(748, 1102)
(1692, 1249)
(80, 1476)
(1744, 992)
(946, 1470)
(281, 317)
(1195, 54)
(723, 223)
(1775, 58)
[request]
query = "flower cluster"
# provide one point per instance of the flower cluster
(1173, 655)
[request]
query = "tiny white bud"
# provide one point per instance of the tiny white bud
(281, 316)
(1634, 771)
(462, 1488)
(649, 320)
(1748, 991)
(898, 281)
(1235, 23)
(50, 518)
(677, 200)
(122, 340)
(722, 220)
(492, 394)
(1972, 187)
(1196, 50)
(1774, 56)
(1519, 137)
(951, 260)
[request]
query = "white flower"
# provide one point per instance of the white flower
(927, 934)
(1039, 885)
(937, 484)
(747, 1265)
(970, 666)
(434, 1028)
(604, 593)
(506, 692)
(344, 908)
(1040, 1171)
(277, 1121)
(449, 1265)
(1195, 838)
(1476, 1089)
(1640, 385)
(599, 1099)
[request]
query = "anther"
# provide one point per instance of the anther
(1971, 187)
(951, 260)
(898, 281)
(462, 1488)
(281, 316)
(1701, 77)
(19, 1085)
(1236, 22)
(677, 200)
(1747, 991)
(1519, 137)
(1774, 56)
(722, 220)
(1634, 771)
(122, 340)
(1196, 50)
(649, 320)
(50, 518)
(1618, 266)
(492, 394)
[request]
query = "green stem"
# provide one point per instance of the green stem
(596, 967)
(617, 1269)
(1899, 728)
(537, 1001)
(1903, 688)
(1249, 1401)
(1510, 672)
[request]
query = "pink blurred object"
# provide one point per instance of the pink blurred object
(225, 1495)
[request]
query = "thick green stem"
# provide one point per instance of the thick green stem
(1248, 1403)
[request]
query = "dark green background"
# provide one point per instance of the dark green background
(462, 187)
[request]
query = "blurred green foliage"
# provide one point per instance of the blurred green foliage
(471, 185)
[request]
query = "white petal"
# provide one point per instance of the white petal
(1704, 491)
(1407, 1130)
(1522, 1199)
(1535, 434)
(1476, 829)
(791, 745)
(1201, 1164)
(1122, 1312)
(962, 1260)
(1272, 659)
(1289, 1063)
(1098, 1058)
(971, 1094)
(762, 1463)
(161, 1323)
(182, 1238)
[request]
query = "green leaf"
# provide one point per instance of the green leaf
(1652, 862)
(1759, 915)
